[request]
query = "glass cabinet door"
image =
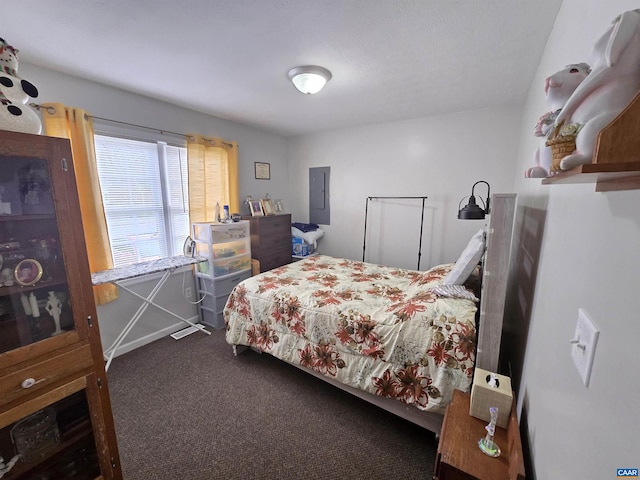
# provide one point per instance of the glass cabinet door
(34, 294)
(54, 442)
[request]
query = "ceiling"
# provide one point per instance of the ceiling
(390, 59)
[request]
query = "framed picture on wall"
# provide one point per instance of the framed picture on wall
(267, 206)
(256, 208)
(263, 170)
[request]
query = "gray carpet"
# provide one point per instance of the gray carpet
(189, 409)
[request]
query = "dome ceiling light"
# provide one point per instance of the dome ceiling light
(309, 79)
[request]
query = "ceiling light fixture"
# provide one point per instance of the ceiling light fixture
(309, 79)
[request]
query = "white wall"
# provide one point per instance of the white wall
(577, 249)
(114, 104)
(102, 101)
(439, 157)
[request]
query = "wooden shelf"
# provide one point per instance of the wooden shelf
(78, 440)
(17, 218)
(18, 289)
(616, 162)
(607, 176)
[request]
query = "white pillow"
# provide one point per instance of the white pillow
(469, 258)
(311, 237)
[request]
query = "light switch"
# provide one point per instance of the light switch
(583, 345)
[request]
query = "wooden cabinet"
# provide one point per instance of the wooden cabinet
(55, 409)
(459, 457)
(271, 240)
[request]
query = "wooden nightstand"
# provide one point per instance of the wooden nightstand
(459, 457)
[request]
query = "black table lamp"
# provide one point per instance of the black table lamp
(471, 210)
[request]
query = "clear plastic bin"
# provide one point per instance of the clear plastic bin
(231, 265)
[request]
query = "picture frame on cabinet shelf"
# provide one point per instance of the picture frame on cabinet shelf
(35, 188)
(9, 193)
(256, 208)
(267, 206)
(262, 170)
(28, 272)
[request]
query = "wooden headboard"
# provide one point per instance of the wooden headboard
(494, 280)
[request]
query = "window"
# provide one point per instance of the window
(145, 196)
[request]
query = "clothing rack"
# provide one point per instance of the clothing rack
(366, 213)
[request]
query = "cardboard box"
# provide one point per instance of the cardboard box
(255, 266)
(485, 395)
(300, 247)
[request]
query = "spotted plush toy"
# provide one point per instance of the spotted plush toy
(14, 94)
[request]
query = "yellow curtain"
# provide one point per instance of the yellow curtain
(213, 176)
(74, 124)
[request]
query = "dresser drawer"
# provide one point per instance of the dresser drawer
(276, 223)
(223, 286)
(277, 250)
(275, 259)
(215, 304)
(270, 242)
(42, 374)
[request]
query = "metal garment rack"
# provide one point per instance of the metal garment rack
(366, 213)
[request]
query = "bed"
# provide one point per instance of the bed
(391, 336)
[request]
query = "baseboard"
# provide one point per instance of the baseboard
(152, 337)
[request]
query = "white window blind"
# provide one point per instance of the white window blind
(144, 192)
(177, 188)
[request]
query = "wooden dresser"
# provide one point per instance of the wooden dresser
(271, 240)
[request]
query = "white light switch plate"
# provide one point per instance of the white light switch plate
(583, 345)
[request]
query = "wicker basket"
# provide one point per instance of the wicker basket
(562, 143)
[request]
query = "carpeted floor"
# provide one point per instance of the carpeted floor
(189, 409)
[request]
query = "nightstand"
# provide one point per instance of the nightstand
(459, 457)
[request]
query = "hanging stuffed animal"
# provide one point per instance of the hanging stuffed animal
(14, 94)
(557, 89)
(610, 87)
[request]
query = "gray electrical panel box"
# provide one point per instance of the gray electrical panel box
(319, 208)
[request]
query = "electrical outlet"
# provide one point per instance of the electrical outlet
(187, 292)
(583, 345)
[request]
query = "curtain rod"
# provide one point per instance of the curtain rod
(52, 110)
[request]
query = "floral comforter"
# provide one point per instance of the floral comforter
(376, 328)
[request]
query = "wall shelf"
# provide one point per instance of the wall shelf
(607, 177)
(616, 158)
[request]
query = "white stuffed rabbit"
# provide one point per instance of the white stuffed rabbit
(557, 89)
(612, 84)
